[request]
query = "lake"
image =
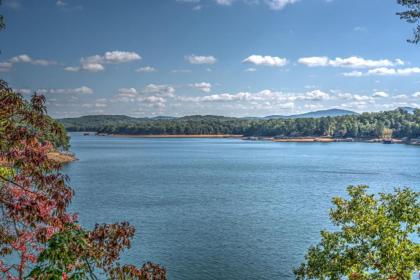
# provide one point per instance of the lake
(226, 208)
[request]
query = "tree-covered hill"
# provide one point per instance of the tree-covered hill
(315, 114)
(397, 123)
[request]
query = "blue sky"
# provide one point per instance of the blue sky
(224, 57)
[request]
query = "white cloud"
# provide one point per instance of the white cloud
(380, 94)
(146, 69)
(23, 90)
(279, 4)
(95, 63)
(353, 74)
(121, 57)
(355, 97)
(126, 94)
(261, 96)
(317, 95)
(159, 89)
(24, 58)
(251, 69)
(205, 87)
(314, 61)
(272, 4)
(416, 94)
(5, 66)
(200, 59)
(225, 2)
(349, 62)
(71, 69)
(400, 96)
(360, 29)
(266, 60)
(385, 71)
(80, 90)
(61, 3)
(264, 96)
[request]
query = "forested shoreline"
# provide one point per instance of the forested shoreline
(398, 123)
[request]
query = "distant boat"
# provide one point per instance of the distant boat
(388, 141)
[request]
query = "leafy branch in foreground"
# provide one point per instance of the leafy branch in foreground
(412, 15)
(375, 240)
(39, 238)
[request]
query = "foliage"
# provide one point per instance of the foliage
(375, 240)
(38, 237)
(400, 123)
(2, 24)
(412, 15)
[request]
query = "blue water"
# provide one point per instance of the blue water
(226, 208)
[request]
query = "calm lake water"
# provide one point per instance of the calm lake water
(226, 208)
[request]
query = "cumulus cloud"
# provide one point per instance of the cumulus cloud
(355, 97)
(121, 57)
(264, 96)
(205, 87)
(261, 96)
(314, 61)
(95, 63)
(272, 4)
(126, 94)
(225, 2)
(380, 94)
(23, 90)
(279, 4)
(24, 58)
(200, 59)
(349, 62)
(400, 96)
(317, 95)
(5, 66)
(251, 69)
(159, 89)
(146, 69)
(61, 3)
(353, 74)
(385, 71)
(416, 94)
(266, 60)
(152, 95)
(80, 90)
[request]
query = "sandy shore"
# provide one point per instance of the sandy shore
(61, 157)
(177, 136)
(305, 139)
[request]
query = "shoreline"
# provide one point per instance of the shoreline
(61, 157)
(174, 136)
(273, 139)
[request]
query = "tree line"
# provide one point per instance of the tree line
(398, 123)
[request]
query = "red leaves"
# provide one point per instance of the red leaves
(34, 200)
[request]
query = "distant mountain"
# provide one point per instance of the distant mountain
(163, 118)
(315, 114)
(408, 109)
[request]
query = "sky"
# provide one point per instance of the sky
(148, 58)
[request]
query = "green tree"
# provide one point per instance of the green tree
(375, 238)
(412, 15)
(2, 24)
